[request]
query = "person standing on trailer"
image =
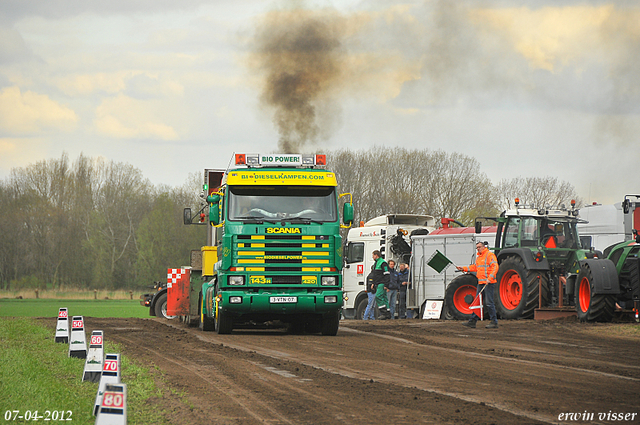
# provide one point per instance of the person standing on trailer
(381, 278)
(485, 268)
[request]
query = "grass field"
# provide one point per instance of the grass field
(89, 308)
(37, 375)
(75, 294)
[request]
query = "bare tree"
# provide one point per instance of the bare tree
(399, 180)
(536, 192)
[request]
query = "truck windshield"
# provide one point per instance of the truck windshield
(282, 203)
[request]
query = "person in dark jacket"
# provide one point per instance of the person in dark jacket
(402, 277)
(381, 278)
(394, 286)
(371, 299)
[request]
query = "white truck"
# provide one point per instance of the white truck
(445, 295)
(609, 224)
(390, 234)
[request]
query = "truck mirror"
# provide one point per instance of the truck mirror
(347, 214)
(626, 205)
(478, 228)
(214, 209)
(186, 216)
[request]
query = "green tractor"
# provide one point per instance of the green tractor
(543, 271)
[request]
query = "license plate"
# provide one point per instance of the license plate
(280, 300)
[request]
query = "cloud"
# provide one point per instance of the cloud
(128, 118)
(32, 113)
(12, 46)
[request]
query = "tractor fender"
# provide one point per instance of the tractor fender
(605, 276)
(154, 299)
(527, 257)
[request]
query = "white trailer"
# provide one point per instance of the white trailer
(447, 294)
(380, 234)
(609, 224)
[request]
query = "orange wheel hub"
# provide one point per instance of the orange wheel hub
(584, 294)
(459, 296)
(511, 289)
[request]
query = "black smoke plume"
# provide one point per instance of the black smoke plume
(299, 54)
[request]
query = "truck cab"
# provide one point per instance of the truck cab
(390, 234)
(276, 244)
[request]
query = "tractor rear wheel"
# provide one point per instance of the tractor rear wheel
(518, 289)
(590, 307)
(460, 293)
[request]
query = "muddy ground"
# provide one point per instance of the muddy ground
(390, 372)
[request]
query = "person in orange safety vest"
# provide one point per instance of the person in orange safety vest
(485, 269)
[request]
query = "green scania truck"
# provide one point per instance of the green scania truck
(275, 251)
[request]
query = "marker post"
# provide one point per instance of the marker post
(62, 326)
(95, 358)
(110, 375)
(77, 339)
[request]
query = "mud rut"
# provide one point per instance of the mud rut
(392, 372)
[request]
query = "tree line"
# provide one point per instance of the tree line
(437, 183)
(94, 223)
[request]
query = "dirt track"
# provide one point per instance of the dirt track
(390, 372)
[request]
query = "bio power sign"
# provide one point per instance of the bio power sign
(294, 160)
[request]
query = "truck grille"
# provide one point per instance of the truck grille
(284, 253)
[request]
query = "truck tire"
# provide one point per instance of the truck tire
(518, 289)
(330, 324)
(161, 307)
(361, 307)
(592, 308)
(206, 324)
(460, 293)
(222, 323)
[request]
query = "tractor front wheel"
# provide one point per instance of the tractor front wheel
(518, 289)
(590, 307)
(460, 293)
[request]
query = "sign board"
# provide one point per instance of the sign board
(432, 309)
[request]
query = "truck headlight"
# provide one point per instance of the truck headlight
(328, 281)
(235, 300)
(332, 299)
(236, 280)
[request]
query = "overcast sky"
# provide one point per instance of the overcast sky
(529, 88)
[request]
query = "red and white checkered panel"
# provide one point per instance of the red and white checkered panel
(174, 275)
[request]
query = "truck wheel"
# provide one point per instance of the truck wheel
(206, 324)
(460, 293)
(592, 308)
(518, 290)
(222, 322)
(330, 324)
(361, 307)
(161, 307)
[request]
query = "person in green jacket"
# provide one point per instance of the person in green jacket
(381, 278)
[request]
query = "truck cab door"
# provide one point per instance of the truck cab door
(353, 273)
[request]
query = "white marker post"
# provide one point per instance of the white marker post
(95, 358)
(113, 408)
(110, 375)
(77, 340)
(62, 327)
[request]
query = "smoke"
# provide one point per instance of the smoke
(300, 56)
